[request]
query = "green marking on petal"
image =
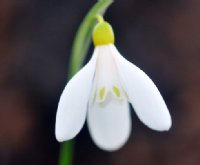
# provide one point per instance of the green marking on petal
(116, 91)
(102, 93)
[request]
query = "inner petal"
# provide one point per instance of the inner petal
(106, 77)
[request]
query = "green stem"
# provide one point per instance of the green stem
(66, 153)
(79, 50)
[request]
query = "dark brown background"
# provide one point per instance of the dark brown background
(160, 36)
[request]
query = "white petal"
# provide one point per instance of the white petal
(73, 102)
(106, 75)
(109, 124)
(143, 94)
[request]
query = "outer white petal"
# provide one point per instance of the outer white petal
(143, 94)
(109, 124)
(72, 106)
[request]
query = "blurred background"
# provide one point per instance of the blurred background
(162, 37)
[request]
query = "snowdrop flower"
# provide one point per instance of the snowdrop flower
(101, 92)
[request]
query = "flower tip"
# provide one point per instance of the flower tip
(110, 147)
(166, 126)
(59, 138)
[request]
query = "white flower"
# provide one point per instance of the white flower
(101, 92)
